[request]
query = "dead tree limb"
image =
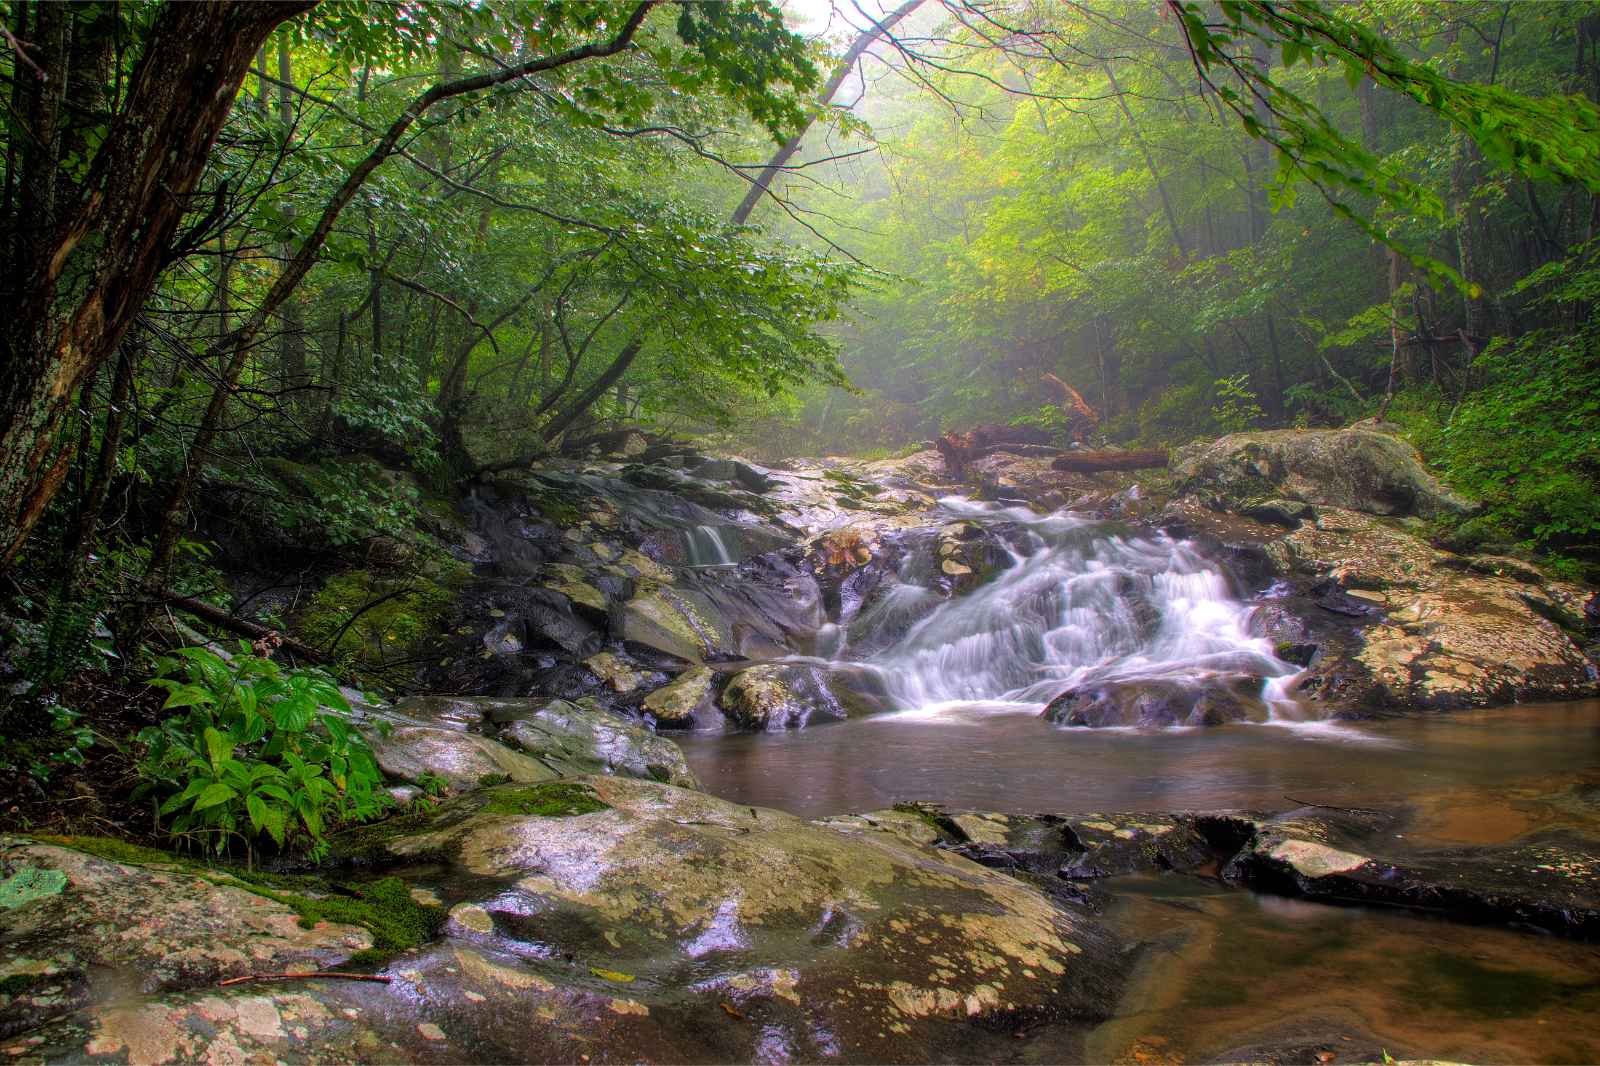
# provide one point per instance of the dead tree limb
(223, 620)
(375, 978)
(1090, 462)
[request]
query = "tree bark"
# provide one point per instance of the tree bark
(1089, 462)
(74, 288)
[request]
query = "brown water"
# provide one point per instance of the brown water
(966, 757)
(1225, 974)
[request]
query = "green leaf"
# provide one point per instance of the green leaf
(257, 809)
(213, 795)
(218, 747)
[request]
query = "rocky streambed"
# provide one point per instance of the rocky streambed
(575, 895)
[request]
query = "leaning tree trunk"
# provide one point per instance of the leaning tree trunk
(74, 287)
(763, 180)
(759, 186)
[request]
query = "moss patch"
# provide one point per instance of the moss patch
(554, 799)
(940, 824)
(416, 609)
(385, 907)
(115, 850)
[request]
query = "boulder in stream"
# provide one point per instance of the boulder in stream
(614, 919)
(676, 703)
(1549, 880)
(777, 696)
(1159, 703)
(1361, 468)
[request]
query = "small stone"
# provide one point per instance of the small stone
(429, 1031)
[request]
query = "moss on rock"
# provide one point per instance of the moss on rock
(555, 799)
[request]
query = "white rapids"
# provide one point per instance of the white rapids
(1083, 603)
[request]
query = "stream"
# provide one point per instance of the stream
(1085, 604)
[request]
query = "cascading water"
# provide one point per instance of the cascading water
(706, 547)
(1084, 605)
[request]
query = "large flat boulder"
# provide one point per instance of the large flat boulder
(1412, 627)
(1548, 880)
(611, 919)
(92, 928)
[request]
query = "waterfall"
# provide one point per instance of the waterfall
(706, 547)
(1085, 606)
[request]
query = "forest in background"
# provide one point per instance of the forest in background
(1090, 208)
(281, 280)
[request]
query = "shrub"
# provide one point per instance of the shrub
(258, 751)
(1526, 444)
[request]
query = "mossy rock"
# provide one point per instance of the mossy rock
(415, 611)
(1361, 468)
(679, 622)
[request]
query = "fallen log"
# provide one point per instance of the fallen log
(959, 449)
(223, 620)
(1090, 462)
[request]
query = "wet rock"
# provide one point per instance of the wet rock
(1288, 513)
(968, 554)
(462, 760)
(615, 671)
(1548, 881)
(1073, 847)
(153, 928)
(575, 584)
(679, 622)
(1360, 468)
(1111, 845)
(746, 476)
(777, 697)
(581, 738)
(1425, 629)
(1153, 704)
(675, 703)
(715, 930)
(557, 736)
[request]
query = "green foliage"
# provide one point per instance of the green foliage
(1234, 408)
(256, 752)
(338, 503)
(1527, 444)
(1048, 417)
(1550, 137)
(1177, 416)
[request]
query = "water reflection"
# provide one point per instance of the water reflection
(990, 756)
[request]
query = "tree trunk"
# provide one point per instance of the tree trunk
(763, 181)
(74, 288)
(1090, 462)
